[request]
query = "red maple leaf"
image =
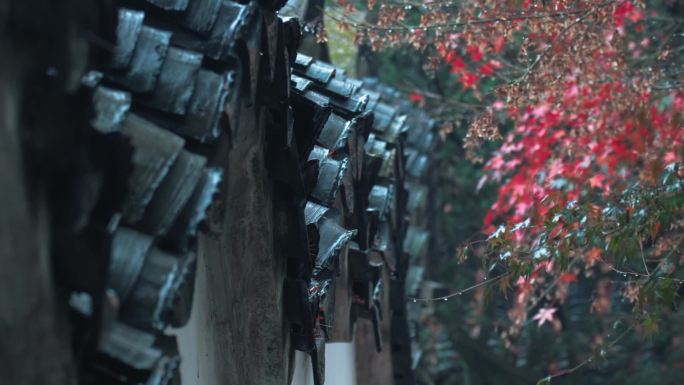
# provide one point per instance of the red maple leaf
(474, 52)
(486, 69)
(416, 97)
(457, 64)
(568, 277)
(499, 43)
(626, 10)
(594, 255)
(448, 56)
(469, 80)
(596, 181)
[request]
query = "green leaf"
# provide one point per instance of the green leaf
(650, 326)
(665, 103)
(564, 261)
(666, 292)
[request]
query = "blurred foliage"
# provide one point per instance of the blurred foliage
(341, 46)
(461, 339)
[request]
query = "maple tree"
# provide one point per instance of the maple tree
(584, 101)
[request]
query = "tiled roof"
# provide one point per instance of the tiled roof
(345, 159)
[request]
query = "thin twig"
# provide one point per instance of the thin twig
(636, 274)
(492, 20)
(546, 50)
(641, 248)
(460, 292)
(590, 359)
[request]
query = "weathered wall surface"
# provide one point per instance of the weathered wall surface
(371, 366)
(42, 51)
(236, 333)
(33, 330)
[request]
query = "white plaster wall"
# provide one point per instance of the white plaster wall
(302, 369)
(339, 365)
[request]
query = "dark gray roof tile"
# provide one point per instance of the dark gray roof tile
(333, 238)
(313, 212)
(166, 372)
(147, 60)
(130, 346)
(110, 109)
(171, 5)
(201, 15)
(331, 174)
(145, 307)
(196, 207)
(380, 150)
(416, 163)
(176, 81)
(128, 30)
(354, 104)
(302, 60)
(92, 78)
(154, 300)
(335, 133)
(318, 71)
(128, 251)
(416, 241)
(340, 87)
(384, 114)
(396, 128)
(154, 152)
(301, 84)
(317, 98)
(380, 200)
(373, 98)
(233, 19)
(418, 194)
(206, 106)
(382, 238)
(173, 193)
(421, 135)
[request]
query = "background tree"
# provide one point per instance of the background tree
(571, 114)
